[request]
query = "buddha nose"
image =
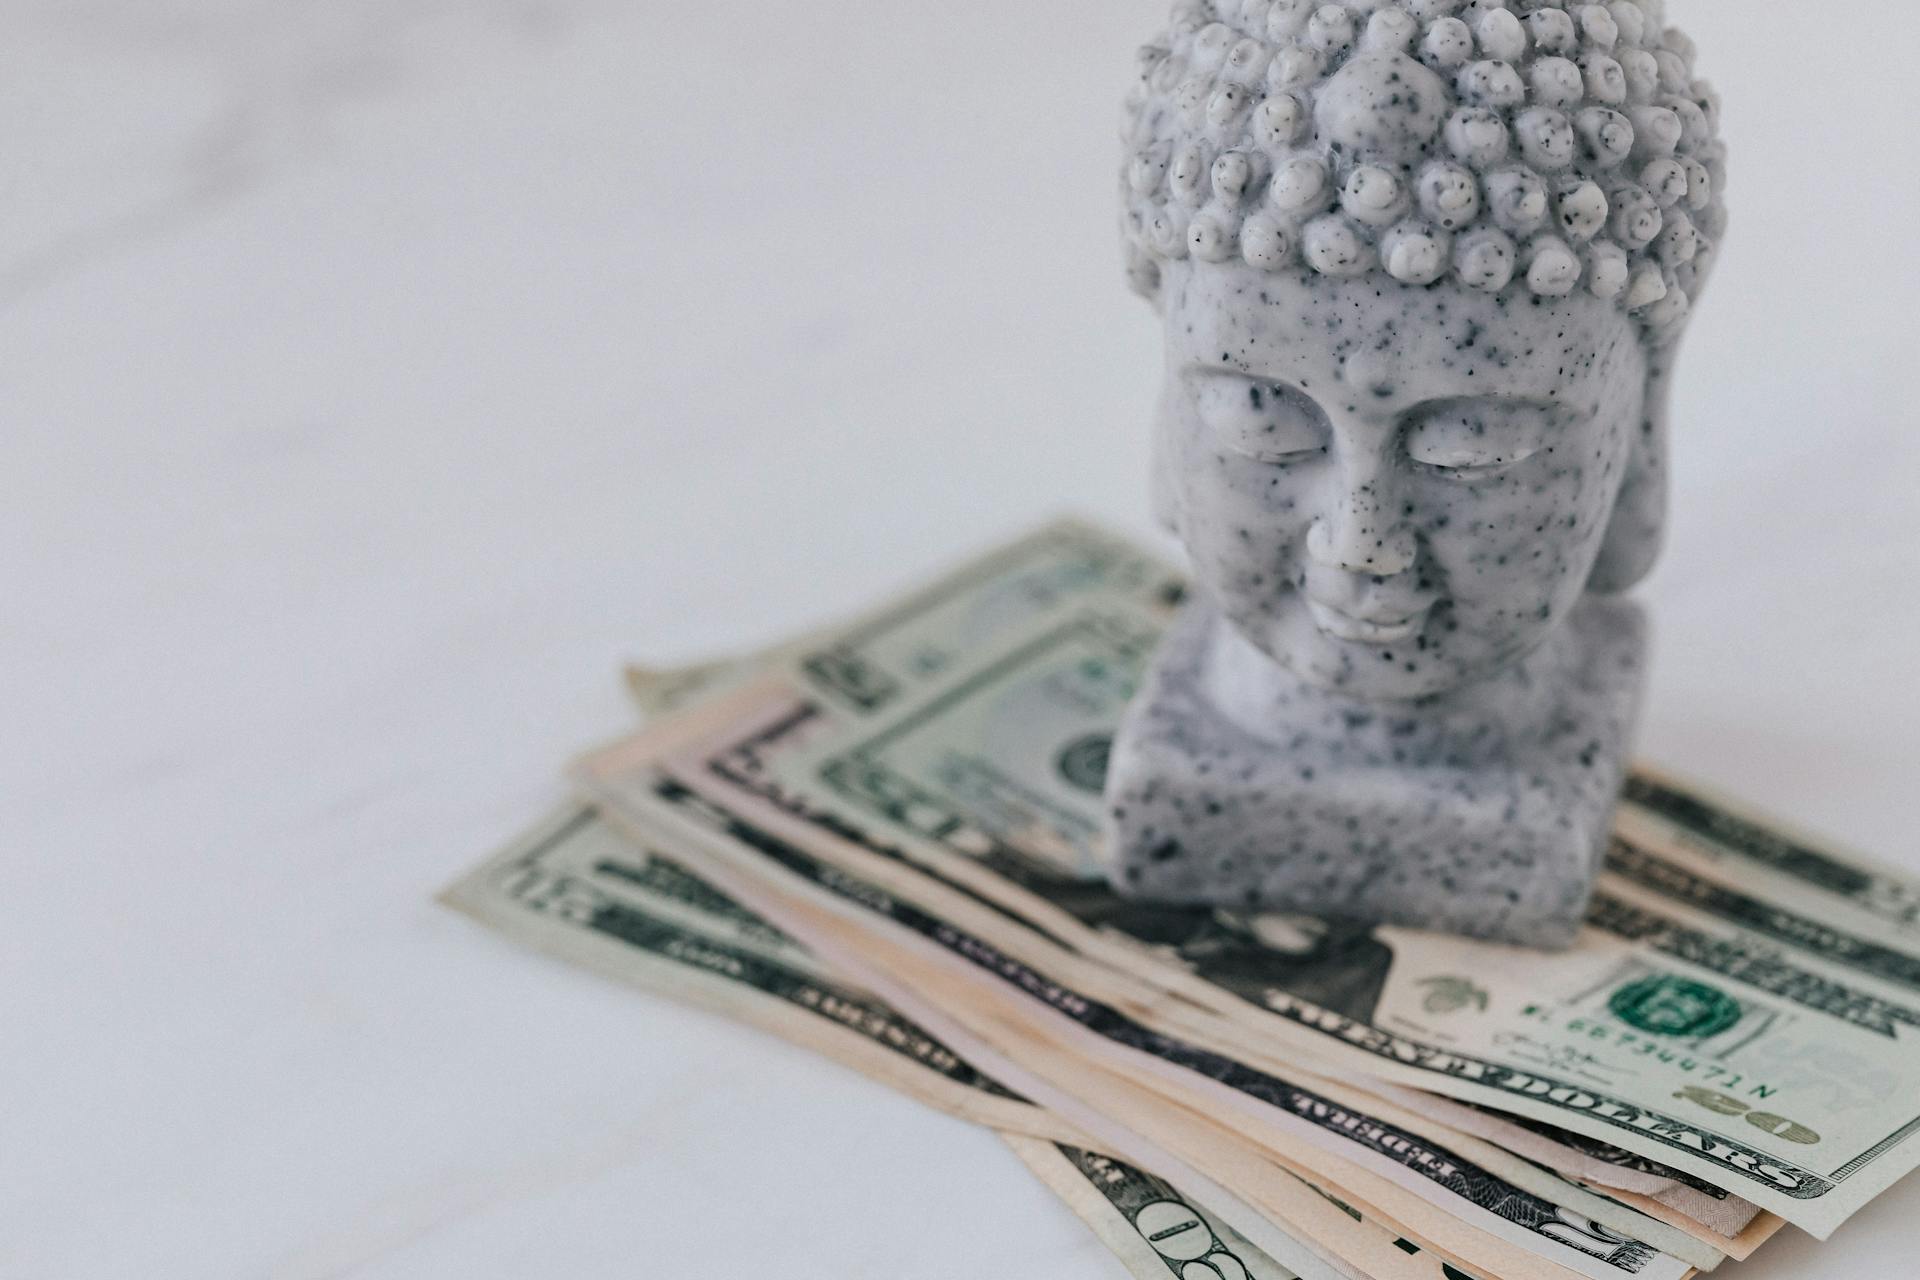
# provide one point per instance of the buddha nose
(1362, 533)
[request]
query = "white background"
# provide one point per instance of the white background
(377, 375)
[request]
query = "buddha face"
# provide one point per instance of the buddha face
(1390, 490)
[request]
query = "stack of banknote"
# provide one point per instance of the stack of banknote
(882, 842)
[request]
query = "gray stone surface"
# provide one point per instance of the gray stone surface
(1422, 272)
(1481, 811)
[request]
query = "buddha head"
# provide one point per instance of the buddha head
(1422, 269)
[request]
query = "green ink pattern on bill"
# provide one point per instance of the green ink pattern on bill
(966, 771)
(1461, 1188)
(1154, 1230)
(919, 792)
(886, 656)
(575, 887)
(652, 923)
(953, 777)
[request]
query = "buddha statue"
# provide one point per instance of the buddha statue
(1422, 269)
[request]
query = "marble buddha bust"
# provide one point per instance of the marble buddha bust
(1422, 269)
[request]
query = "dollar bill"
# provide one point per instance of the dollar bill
(574, 887)
(869, 662)
(1408, 1166)
(1757, 1044)
(1739, 1246)
(1869, 898)
(1719, 1214)
(885, 657)
(623, 869)
(1721, 1219)
(1154, 1230)
(1486, 1226)
(1052, 615)
(674, 934)
(1522, 1171)
(916, 795)
(1714, 1216)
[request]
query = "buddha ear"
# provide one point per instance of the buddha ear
(1638, 526)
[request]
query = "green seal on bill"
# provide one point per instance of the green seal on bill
(1664, 1005)
(1083, 762)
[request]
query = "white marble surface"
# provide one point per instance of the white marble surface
(377, 375)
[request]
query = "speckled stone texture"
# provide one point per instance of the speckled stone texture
(1399, 694)
(1422, 270)
(1482, 811)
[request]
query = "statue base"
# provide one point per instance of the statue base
(1483, 811)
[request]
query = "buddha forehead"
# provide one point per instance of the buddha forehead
(1378, 343)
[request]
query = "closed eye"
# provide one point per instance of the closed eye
(1267, 421)
(1473, 466)
(1472, 439)
(1479, 471)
